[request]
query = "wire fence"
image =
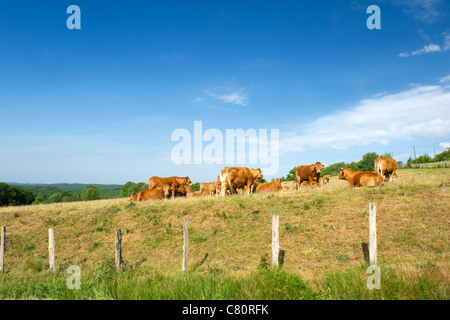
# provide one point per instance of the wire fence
(242, 249)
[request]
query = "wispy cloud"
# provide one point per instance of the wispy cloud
(427, 11)
(418, 112)
(431, 47)
(236, 97)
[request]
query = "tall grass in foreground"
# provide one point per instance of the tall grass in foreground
(266, 284)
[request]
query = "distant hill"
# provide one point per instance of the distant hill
(66, 192)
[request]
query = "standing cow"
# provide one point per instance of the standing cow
(232, 178)
(309, 173)
(385, 167)
(207, 188)
(155, 182)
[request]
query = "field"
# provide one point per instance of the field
(323, 231)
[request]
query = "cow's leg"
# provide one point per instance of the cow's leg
(223, 189)
(249, 188)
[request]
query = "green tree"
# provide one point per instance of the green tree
(367, 162)
(409, 162)
(12, 195)
(424, 159)
(196, 186)
(90, 192)
(290, 176)
(130, 188)
(444, 156)
(333, 169)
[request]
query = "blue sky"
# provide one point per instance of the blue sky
(99, 105)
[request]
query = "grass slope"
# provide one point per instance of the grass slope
(323, 231)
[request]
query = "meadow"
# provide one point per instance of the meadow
(324, 232)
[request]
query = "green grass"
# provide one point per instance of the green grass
(265, 284)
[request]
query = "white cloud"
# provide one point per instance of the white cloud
(419, 112)
(431, 47)
(236, 97)
(445, 145)
(428, 48)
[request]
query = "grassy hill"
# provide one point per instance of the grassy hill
(323, 231)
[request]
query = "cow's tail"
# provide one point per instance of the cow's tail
(377, 167)
(223, 175)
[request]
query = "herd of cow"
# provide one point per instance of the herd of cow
(242, 180)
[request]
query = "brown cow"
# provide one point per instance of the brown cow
(360, 178)
(326, 179)
(385, 167)
(269, 186)
(232, 178)
(207, 188)
(218, 185)
(155, 182)
(309, 173)
(180, 190)
(154, 194)
(308, 183)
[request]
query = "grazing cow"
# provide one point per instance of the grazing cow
(154, 194)
(309, 173)
(155, 182)
(385, 167)
(360, 178)
(326, 179)
(269, 186)
(232, 178)
(207, 188)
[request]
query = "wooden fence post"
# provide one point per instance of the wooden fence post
(185, 245)
(51, 249)
(118, 251)
(275, 240)
(2, 249)
(372, 233)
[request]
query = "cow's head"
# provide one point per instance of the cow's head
(259, 174)
(277, 181)
(189, 190)
(341, 174)
(166, 189)
(188, 181)
(318, 167)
